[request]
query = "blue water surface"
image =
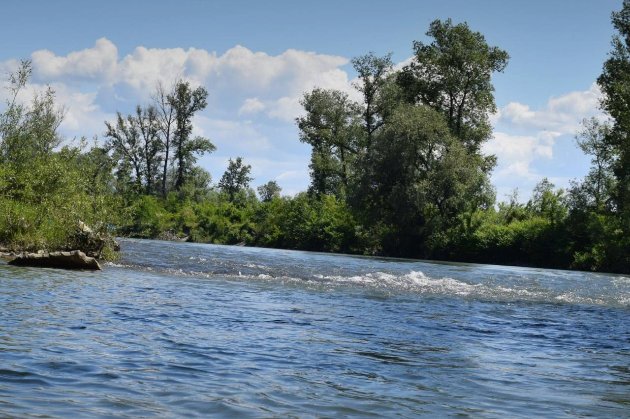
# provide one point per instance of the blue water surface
(189, 330)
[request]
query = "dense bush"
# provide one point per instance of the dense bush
(43, 203)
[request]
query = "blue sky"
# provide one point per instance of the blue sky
(257, 58)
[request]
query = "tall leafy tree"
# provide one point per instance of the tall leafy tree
(136, 143)
(11, 119)
(548, 202)
(453, 74)
(28, 132)
(330, 126)
(125, 141)
(166, 117)
(151, 144)
(236, 178)
(372, 73)
(615, 85)
(269, 191)
(186, 102)
(422, 178)
(599, 185)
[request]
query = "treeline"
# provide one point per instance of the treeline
(401, 173)
(398, 173)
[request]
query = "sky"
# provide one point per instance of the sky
(256, 59)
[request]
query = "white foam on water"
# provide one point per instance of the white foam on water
(417, 282)
(256, 266)
(115, 265)
(413, 281)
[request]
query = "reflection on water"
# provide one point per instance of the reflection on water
(195, 330)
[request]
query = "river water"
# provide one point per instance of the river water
(185, 330)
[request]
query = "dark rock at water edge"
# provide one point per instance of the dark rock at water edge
(64, 260)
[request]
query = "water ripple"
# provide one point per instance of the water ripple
(179, 330)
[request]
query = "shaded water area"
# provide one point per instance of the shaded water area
(176, 329)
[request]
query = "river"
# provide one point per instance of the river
(195, 330)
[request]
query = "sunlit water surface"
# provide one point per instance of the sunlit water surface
(178, 329)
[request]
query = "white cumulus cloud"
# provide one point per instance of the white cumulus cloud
(526, 138)
(516, 153)
(97, 63)
(250, 106)
(561, 114)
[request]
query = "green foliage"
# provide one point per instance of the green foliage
(597, 238)
(372, 73)
(420, 179)
(305, 222)
(43, 205)
(269, 191)
(236, 178)
(28, 132)
(46, 194)
(124, 140)
(142, 142)
(609, 252)
(148, 217)
(547, 203)
(599, 185)
(407, 158)
(221, 221)
(197, 186)
(309, 223)
(453, 75)
(331, 127)
(185, 102)
(615, 85)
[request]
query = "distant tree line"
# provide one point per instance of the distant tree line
(398, 173)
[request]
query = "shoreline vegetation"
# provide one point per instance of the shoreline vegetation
(400, 173)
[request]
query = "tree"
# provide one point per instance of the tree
(512, 210)
(236, 178)
(330, 126)
(421, 179)
(547, 202)
(28, 132)
(134, 142)
(453, 75)
(372, 73)
(615, 85)
(197, 186)
(166, 117)
(124, 141)
(151, 144)
(11, 119)
(600, 205)
(595, 224)
(98, 166)
(186, 102)
(600, 182)
(269, 191)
